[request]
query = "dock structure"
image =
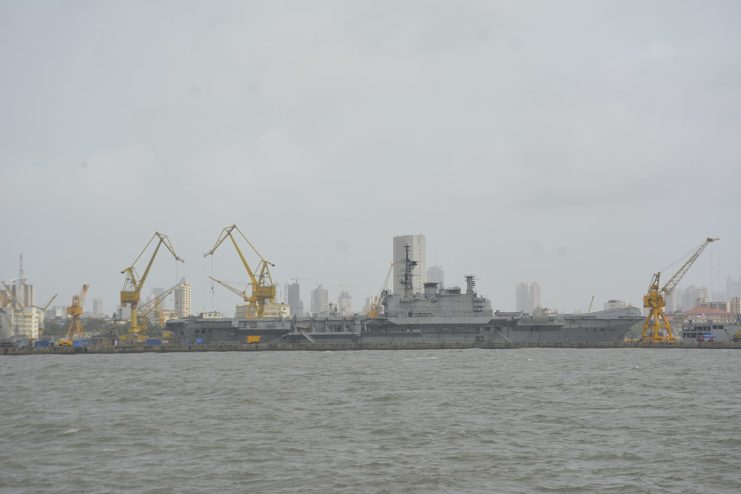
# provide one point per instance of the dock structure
(308, 346)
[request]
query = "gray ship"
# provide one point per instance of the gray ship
(437, 316)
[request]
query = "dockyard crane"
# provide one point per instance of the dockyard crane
(153, 305)
(655, 300)
(43, 309)
(375, 307)
(242, 293)
(131, 291)
(74, 328)
(261, 281)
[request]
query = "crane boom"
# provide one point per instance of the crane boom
(674, 280)
(147, 307)
(375, 307)
(241, 293)
(43, 309)
(654, 300)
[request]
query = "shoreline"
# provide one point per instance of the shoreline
(324, 347)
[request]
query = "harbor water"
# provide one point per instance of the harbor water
(469, 421)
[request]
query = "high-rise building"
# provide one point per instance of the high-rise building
(293, 294)
(22, 291)
(527, 297)
(521, 297)
(26, 319)
(534, 295)
(733, 287)
(735, 305)
(691, 297)
(182, 300)
(671, 302)
(319, 301)
(417, 252)
(344, 304)
(98, 307)
(435, 274)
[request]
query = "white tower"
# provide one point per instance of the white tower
(182, 299)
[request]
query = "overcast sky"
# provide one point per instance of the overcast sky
(583, 145)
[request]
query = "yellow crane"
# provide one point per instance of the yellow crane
(153, 305)
(131, 291)
(242, 293)
(74, 328)
(375, 307)
(263, 290)
(655, 300)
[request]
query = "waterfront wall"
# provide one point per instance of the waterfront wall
(228, 347)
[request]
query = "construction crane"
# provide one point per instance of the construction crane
(242, 293)
(153, 305)
(261, 281)
(43, 309)
(655, 300)
(74, 328)
(375, 307)
(131, 291)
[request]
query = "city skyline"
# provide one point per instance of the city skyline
(680, 299)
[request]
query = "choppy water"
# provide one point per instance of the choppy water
(531, 420)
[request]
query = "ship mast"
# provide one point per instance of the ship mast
(406, 280)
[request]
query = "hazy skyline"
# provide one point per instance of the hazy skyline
(582, 145)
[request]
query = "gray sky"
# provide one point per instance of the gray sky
(580, 144)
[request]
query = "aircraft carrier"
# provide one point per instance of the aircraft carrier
(437, 316)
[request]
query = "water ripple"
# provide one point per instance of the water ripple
(530, 420)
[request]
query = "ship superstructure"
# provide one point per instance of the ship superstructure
(438, 315)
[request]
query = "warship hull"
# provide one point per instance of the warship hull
(597, 328)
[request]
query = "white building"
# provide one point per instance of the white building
(270, 309)
(417, 252)
(182, 300)
(56, 312)
(319, 301)
(735, 305)
(25, 319)
(344, 304)
(98, 307)
(435, 274)
(690, 297)
(527, 297)
(27, 322)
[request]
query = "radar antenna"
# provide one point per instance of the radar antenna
(406, 280)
